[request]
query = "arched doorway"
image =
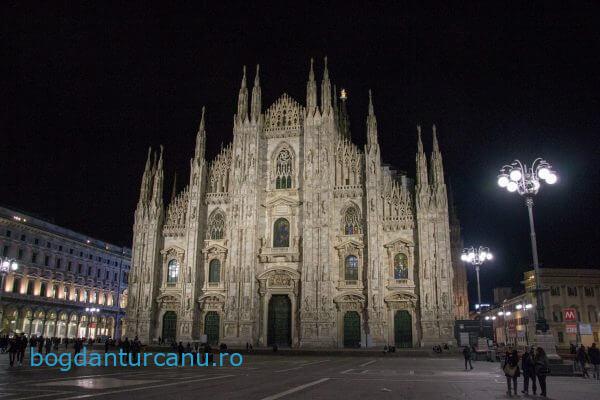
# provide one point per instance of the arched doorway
(351, 329)
(280, 321)
(211, 327)
(403, 329)
(169, 327)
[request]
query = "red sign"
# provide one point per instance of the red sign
(571, 328)
(569, 314)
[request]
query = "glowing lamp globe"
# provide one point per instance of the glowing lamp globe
(489, 256)
(515, 175)
(503, 181)
(543, 173)
(512, 187)
(551, 179)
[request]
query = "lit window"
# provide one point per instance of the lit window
(351, 268)
(283, 170)
(351, 221)
(400, 266)
(281, 233)
(173, 271)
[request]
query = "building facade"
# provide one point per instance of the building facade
(60, 273)
(293, 235)
(565, 288)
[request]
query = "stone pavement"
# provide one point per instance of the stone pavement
(270, 377)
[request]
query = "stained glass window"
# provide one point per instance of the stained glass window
(216, 226)
(281, 233)
(214, 271)
(283, 170)
(172, 271)
(400, 266)
(351, 270)
(351, 221)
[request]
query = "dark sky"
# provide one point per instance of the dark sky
(87, 89)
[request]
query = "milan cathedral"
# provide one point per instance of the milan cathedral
(295, 236)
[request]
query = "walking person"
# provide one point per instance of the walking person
(510, 366)
(14, 346)
(582, 358)
(22, 342)
(542, 369)
(594, 354)
(528, 367)
(467, 355)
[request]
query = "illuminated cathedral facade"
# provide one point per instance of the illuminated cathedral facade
(294, 235)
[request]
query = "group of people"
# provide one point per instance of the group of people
(590, 356)
(16, 346)
(534, 365)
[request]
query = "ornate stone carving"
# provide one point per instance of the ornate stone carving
(284, 118)
(280, 280)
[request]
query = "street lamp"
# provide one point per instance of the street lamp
(518, 177)
(477, 257)
(92, 311)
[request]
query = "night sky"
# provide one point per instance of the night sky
(87, 89)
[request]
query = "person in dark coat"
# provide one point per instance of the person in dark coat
(48, 345)
(542, 369)
(180, 351)
(528, 367)
(510, 366)
(594, 354)
(14, 346)
(467, 355)
(22, 342)
(582, 358)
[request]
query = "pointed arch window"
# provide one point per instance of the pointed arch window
(400, 266)
(281, 233)
(214, 271)
(173, 271)
(283, 170)
(352, 221)
(351, 268)
(216, 226)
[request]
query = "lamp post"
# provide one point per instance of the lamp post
(91, 311)
(477, 257)
(518, 177)
(6, 265)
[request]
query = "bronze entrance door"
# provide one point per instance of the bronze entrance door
(169, 327)
(211, 327)
(351, 329)
(403, 329)
(280, 321)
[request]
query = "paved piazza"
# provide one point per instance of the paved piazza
(282, 377)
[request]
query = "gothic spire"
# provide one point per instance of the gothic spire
(145, 186)
(242, 108)
(311, 89)
(437, 167)
(200, 138)
(157, 190)
(174, 191)
(325, 90)
(256, 97)
(422, 180)
(371, 124)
